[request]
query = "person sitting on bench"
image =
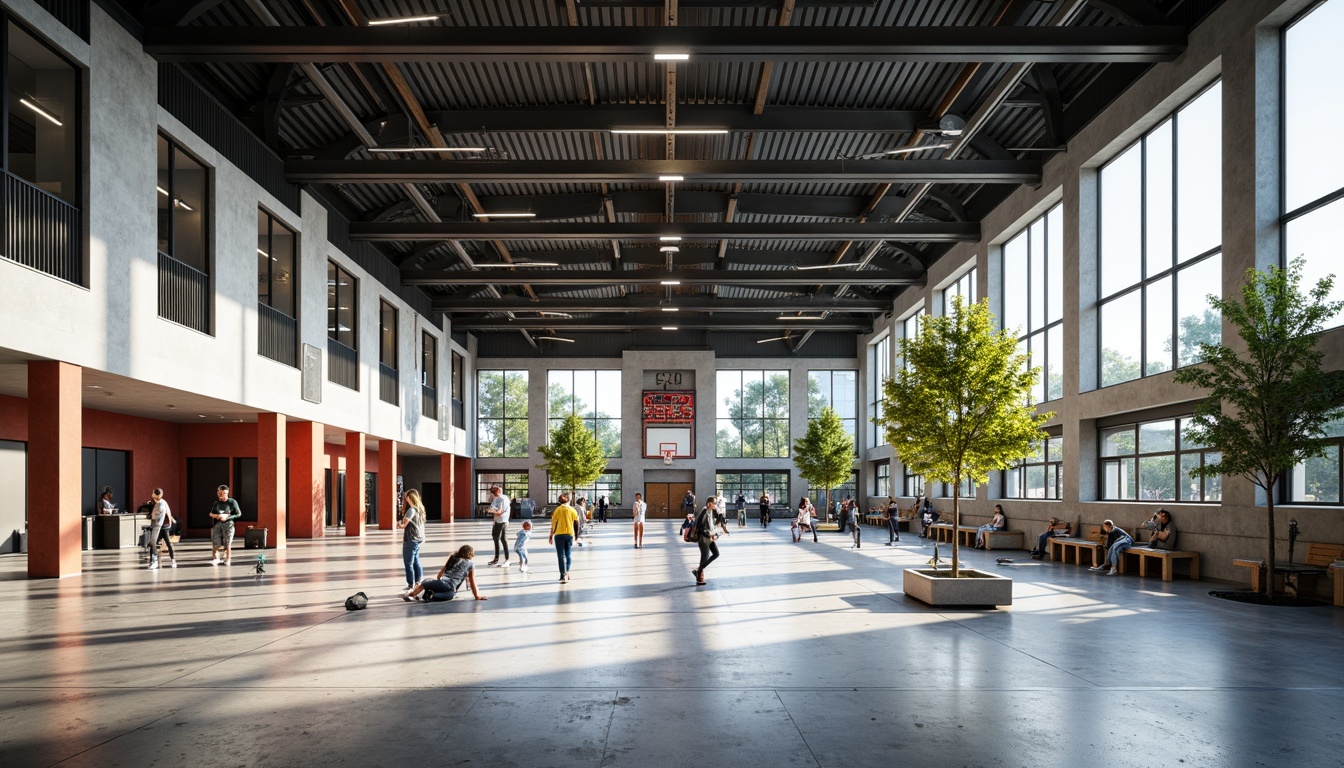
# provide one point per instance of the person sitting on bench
(1056, 527)
(997, 523)
(1163, 530)
(928, 516)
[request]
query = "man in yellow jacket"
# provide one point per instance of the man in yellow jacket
(564, 523)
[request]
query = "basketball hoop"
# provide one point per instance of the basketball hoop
(668, 456)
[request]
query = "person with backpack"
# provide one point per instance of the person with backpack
(703, 532)
(448, 583)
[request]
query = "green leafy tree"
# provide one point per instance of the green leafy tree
(573, 457)
(961, 407)
(758, 419)
(562, 403)
(501, 422)
(1267, 408)
(1195, 332)
(825, 455)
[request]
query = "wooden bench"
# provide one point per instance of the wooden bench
(1060, 546)
(1168, 557)
(1300, 578)
(943, 532)
(1002, 540)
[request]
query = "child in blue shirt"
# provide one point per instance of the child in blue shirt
(520, 545)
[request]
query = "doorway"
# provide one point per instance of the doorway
(664, 499)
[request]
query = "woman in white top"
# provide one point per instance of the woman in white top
(639, 509)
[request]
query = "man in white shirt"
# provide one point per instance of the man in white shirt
(499, 510)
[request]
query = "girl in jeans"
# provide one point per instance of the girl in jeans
(1117, 541)
(448, 583)
(413, 522)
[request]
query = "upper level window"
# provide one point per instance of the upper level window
(429, 375)
(882, 479)
(1160, 242)
(457, 373)
(276, 274)
(753, 414)
(879, 370)
(1313, 178)
(909, 331)
(595, 397)
(501, 414)
(184, 204)
(1033, 299)
(838, 390)
(964, 287)
(42, 145)
(387, 335)
(1151, 461)
(342, 303)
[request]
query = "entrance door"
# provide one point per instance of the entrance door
(432, 496)
(664, 499)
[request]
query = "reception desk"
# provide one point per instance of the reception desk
(117, 531)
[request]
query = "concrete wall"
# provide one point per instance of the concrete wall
(1239, 44)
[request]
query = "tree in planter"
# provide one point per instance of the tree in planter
(1267, 407)
(573, 456)
(825, 455)
(961, 407)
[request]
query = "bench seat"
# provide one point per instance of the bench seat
(1060, 546)
(1003, 540)
(1167, 558)
(1320, 561)
(943, 532)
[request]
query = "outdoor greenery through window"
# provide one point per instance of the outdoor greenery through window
(1313, 194)
(1316, 481)
(1151, 461)
(963, 286)
(911, 484)
(879, 370)
(1160, 241)
(595, 397)
(753, 414)
(838, 390)
(512, 484)
(501, 415)
(751, 484)
(1039, 475)
(846, 490)
(608, 485)
(1033, 299)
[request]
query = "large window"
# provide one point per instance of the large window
(751, 484)
(1033, 299)
(838, 390)
(1316, 481)
(882, 479)
(512, 484)
(388, 388)
(608, 485)
(753, 414)
(595, 397)
(879, 370)
(342, 322)
(277, 287)
(458, 372)
(1160, 241)
(429, 375)
(1039, 475)
(501, 414)
(183, 210)
(911, 484)
(846, 490)
(964, 287)
(1151, 461)
(1313, 179)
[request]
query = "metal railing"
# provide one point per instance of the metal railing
(42, 231)
(458, 415)
(184, 294)
(342, 364)
(429, 402)
(388, 380)
(277, 335)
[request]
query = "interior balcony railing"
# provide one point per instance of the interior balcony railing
(184, 294)
(277, 335)
(342, 365)
(388, 380)
(429, 402)
(42, 231)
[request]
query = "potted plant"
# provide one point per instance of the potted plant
(959, 409)
(825, 455)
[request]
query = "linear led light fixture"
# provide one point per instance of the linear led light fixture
(40, 111)
(669, 327)
(670, 309)
(176, 202)
(407, 150)
(777, 338)
(813, 318)
(512, 264)
(554, 338)
(901, 151)
(403, 20)
(671, 56)
(849, 265)
(669, 249)
(674, 131)
(671, 178)
(669, 282)
(505, 215)
(548, 313)
(670, 239)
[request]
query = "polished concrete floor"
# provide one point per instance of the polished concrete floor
(793, 655)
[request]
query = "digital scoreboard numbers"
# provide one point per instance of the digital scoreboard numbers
(662, 407)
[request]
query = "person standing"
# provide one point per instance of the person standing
(224, 511)
(520, 545)
(499, 510)
(688, 503)
(412, 523)
(602, 505)
(704, 529)
(639, 511)
(893, 521)
(852, 517)
(160, 521)
(765, 509)
(741, 504)
(564, 521)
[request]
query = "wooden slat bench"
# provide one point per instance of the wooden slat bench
(943, 532)
(1060, 546)
(1144, 554)
(1319, 559)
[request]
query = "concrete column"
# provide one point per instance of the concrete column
(447, 478)
(387, 484)
(271, 501)
(307, 486)
(354, 483)
(464, 489)
(55, 436)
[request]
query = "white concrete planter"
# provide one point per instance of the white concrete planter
(938, 588)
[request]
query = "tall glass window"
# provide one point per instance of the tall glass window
(751, 484)
(1151, 461)
(1160, 244)
(753, 414)
(1039, 475)
(1316, 481)
(183, 205)
(501, 414)
(879, 370)
(1313, 177)
(882, 478)
(1033, 299)
(838, 390)
(277, 278)
(511, 484)
(342, 306)
(608, 484)
(387, 335)
(595, 397)
(911, 484)
(429, 375)
(965, 287)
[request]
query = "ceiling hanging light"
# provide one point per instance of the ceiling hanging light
(813, 318)
(405, 150)
(671, 177)
(674, 131)
(672, 56)
(849, 265)
(506, 215)
(403, 20)
(554, 338)
(777, 338)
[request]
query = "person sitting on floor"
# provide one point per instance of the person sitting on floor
(446, 585)
(1053, 529)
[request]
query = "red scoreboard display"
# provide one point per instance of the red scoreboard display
(669, 407)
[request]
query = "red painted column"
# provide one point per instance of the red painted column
(448, 497)
(271, 501)
(55, 473)
(354, 483)
(387, 483)
(307, 484)
(465, 489)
